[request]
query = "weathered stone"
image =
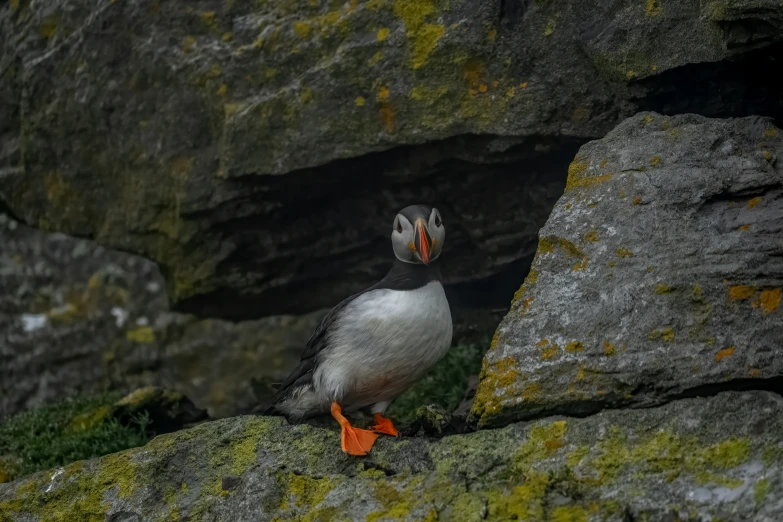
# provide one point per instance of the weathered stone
(78, 318)
(694, 459)
(166, 410)
(658, 275)
(161, 127)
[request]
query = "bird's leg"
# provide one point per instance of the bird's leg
(355, 441)
(382, 424)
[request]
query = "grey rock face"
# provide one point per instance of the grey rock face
(657, 276)
(78, 318)
(695, 459)
(162, 128)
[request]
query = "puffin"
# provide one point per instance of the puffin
(376, 344)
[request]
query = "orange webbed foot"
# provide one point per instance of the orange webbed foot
(384, 425)
(354, 441)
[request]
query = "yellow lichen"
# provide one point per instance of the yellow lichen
(726, 352)
(497, 381)
(654, 7)
(769, 300)
(208, 18)
(549, 352)
(623, 252)
(359, 101)
(740, 292)
(550, 27)
(383, 34)
(591, 236)
(771, 132)
(302, 29)
(609, 349)
(574, 346)
(141, 334)
(655, 161)
(48, 26)
(425, 42)
(753, 203)
(578, 179)
(661, 289)
(187, 44)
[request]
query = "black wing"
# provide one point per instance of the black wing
(303, 373)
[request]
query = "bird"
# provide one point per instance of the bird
(377, 343)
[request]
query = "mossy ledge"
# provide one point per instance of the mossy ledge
(726, 448)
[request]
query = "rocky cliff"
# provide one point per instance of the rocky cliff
(695, 459)
(256, 150)
(654, 297)
(658, 275)
(76, 318)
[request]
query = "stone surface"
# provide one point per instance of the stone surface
(697, 459)
(658, 275)
(163, 128)
(78, 318)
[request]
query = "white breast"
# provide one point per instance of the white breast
(382, 343)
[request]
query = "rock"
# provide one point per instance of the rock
(167, 410)
(658, 275)
(203, 137)
(696, 459)
(76, 318)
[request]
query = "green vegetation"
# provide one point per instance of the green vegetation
(66, 431)
(445, 385)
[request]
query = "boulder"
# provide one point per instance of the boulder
(258, 150)
(658, 275)
(76, 318)
(693, 459)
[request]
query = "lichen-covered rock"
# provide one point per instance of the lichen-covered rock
(695, 459)
(658, 275)
(78, 318)
(161, 127)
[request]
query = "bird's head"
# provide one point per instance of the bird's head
(418, 234)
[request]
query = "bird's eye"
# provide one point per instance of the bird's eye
(437, 220)
(399, 226)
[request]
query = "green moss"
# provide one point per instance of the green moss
(575, 457)
(543, 441)
(304, 491)
(444, 385)
(66, 431)
(760, 490)
(80, 493)
(525, 502)
(568, 514)
(670, 455)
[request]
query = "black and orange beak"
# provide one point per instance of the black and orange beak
(422, 241)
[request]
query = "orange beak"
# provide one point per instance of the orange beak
(422, 242)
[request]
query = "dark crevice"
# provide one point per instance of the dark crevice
(744, 85)
(512, 11)
(742, 196)
(5, 209)
(368, 465)
(494, 193)
(587, 408)
(772, 384)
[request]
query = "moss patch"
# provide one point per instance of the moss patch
(445, 385)
(66, 431)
